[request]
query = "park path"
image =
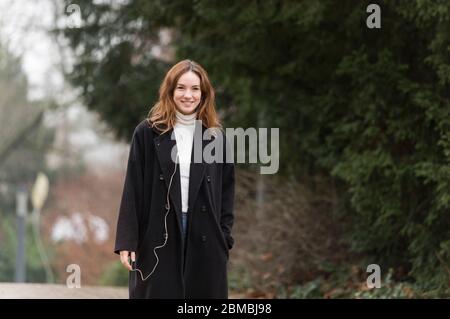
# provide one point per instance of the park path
(52, 291)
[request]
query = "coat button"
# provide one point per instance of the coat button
(203, 238)
(203, 208)
(161, 177)
(208, 178)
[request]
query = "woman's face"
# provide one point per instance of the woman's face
(187, 93)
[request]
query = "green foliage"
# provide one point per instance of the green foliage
(35, 271)
(309, 290)
(343, 283)
(115, 275)
(239, 279)
(388, 289)
(368, 107)
(7, 253)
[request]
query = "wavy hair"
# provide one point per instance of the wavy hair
(162, 115)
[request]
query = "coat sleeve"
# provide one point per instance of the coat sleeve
(127, 234)
(227, 214)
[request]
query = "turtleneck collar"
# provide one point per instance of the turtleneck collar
(186, 119)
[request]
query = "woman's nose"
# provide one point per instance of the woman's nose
(187, 93)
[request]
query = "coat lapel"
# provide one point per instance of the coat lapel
(163, 146)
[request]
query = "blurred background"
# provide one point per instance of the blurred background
(363, 113)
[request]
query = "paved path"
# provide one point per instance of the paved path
(47, 291)
(50, 291)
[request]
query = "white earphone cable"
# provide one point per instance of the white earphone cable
(166, 233)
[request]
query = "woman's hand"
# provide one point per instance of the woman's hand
(124, 255)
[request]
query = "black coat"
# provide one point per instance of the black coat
(197, 268)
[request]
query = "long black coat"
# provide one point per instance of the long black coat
(196, 268)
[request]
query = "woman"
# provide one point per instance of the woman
(176, 213)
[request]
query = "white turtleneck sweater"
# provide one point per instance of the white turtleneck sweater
(184, 135)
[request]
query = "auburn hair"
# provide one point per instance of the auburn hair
(162, 115)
